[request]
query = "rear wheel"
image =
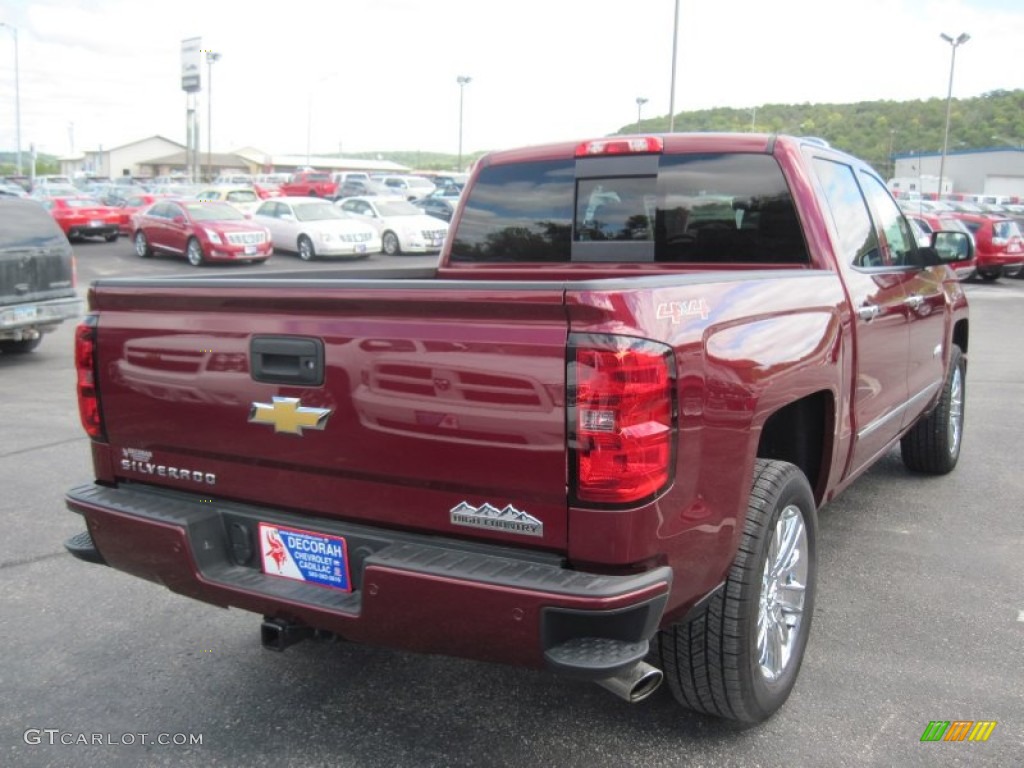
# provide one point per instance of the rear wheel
(142, 247)
(739, 657)
(933, 444)
(194, 253)
(21, 347)
(390, 244)
(306, 250)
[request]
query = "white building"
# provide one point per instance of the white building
(990, 171)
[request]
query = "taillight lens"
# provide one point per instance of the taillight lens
(622, 418)
(632, 145)
(86, 368)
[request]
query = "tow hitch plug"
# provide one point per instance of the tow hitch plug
(278, 634)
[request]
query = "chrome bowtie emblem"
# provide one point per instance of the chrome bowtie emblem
(287, 415)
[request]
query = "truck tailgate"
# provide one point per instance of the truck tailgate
(420, 405)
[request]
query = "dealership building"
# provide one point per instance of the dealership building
(992, 171)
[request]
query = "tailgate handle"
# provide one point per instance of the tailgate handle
(287, 360)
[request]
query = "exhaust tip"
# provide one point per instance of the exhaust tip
(635, 683)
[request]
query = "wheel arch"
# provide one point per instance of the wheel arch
(801, 434)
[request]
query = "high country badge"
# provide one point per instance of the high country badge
(508, 519)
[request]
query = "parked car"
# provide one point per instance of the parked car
(358, 188)
(944, 222)
(1000, 245)
(310, 184)
(128, 208)
(43, 191)
(201, 231)
(10, 189)
(402, 226)
(409, 187)
(438, 207)
(37, 276)
(82, 217)
(243, 198)
(312, 227)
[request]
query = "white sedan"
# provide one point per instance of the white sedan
(403, 227)
(312, 226)
(244, 199)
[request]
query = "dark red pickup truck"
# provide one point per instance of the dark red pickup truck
(309, 184)
(593, 439)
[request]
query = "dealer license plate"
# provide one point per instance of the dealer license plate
(305, 556)
(95, 223)
(250, 250)
(360, 248)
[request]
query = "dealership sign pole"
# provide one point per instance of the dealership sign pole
(190, 84)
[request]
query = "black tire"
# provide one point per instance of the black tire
(933, 444)
(110, 238)
(306, 250)
(989, 276)
(194, 252)
(390, 244)
(22, 347)
(716, 663)
(142, 246)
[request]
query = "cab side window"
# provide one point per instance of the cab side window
(899, 239)
(858, 244)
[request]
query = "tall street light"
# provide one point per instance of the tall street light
(672, 87)
(963, 38)
(211, 56)
(640, 101)
(463, 81)
(17, 92)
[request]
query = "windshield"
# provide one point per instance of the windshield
(213, 211)
(397, 208)
(317, 212)
(242, 196)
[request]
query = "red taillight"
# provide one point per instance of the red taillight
(623, 419)
(85, 366)
(633, 145)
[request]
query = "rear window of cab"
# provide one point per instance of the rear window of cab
(708, 208)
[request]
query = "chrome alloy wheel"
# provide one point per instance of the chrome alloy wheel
(956, 410)
(783, 585)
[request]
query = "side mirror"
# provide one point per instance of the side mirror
(951, 246)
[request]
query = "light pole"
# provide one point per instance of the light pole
(672, 87)
(211, 56)
(640, 101)
(463, 81)
(17, 93)
(892, 159)
(963, 38)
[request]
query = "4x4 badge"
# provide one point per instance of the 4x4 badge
(287, 415)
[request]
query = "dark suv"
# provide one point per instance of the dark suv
(37, 275)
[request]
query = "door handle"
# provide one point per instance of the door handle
(868, 312)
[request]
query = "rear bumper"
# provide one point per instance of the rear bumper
(417, 593)
(41, 316)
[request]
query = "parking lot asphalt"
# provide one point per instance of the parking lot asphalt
(919, 617)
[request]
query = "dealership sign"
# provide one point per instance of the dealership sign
(190, 64)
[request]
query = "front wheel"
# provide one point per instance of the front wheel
(739, 657)
(306, 250)
(932, 445)
(142, 247)
(390, 244)
(194, 253)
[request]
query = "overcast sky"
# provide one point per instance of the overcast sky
(381, 74)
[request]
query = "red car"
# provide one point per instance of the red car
(1000, 245)
(201, 231)
(936, 221)
(83, 217)
(130, 207)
